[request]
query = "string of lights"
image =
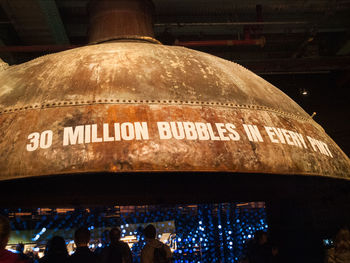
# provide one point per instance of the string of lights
(195, 233)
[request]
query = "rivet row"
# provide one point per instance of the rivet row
(107, 101)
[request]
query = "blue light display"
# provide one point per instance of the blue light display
(198, 233)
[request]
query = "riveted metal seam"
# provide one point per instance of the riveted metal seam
(151, 102)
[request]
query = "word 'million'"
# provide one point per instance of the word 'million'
(126, 131)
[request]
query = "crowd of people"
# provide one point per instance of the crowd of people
(117, 251)
(258, 249)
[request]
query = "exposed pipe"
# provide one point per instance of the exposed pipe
(204, 43)
(112, 20)
(232, 24)
(56, 48)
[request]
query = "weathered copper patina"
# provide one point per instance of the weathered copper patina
(148, 83)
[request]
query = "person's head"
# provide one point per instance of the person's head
(342, 240)
(5, 230)
(150, 232)
(20, 247)
(56, 245)
(260, 237)
(114, 234)
(82, 237)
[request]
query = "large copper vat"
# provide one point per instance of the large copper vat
(137, 106)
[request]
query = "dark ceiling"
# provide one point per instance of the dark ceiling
(303, 46)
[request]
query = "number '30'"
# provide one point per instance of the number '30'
(42, 140)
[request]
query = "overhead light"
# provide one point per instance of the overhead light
(304, 92)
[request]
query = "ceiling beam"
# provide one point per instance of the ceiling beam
(36, 21)
(54, 21)
(307, 65)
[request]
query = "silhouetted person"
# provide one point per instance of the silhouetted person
(341, 251)
(259, 251)
(20, 252)
(117, 251)
(154, 251)
(5, 255)
(82, 253)
(56, 251)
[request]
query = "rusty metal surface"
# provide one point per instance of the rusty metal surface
(111, 19)
(137, 71)
(120, 83)
(3, 65)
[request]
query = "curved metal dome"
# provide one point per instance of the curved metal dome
(130, 107)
